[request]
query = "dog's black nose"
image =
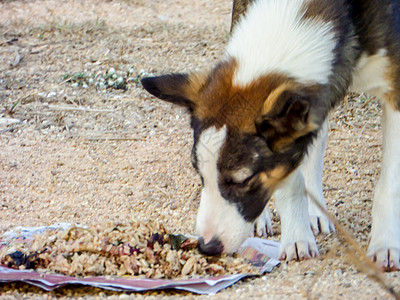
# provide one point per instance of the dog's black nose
(213, 247)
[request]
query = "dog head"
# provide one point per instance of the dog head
(246, 140)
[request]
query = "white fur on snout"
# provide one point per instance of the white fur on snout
(217, 217)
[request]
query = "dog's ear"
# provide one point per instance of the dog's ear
(286, 116)
(179, 88)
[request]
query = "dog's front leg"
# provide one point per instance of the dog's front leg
(384, 247)
(263, 224)
(297, 239)
(312, 168)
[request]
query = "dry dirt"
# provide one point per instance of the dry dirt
(87, 155)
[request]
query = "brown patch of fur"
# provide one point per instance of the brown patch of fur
(319, 10)
(221, 103)
(282, 124)
(271, 178)
(272, 105)
(197, 82)
(282, 143)
(393, 97)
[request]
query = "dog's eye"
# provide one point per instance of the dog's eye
(241, 176)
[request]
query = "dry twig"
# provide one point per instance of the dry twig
(357, 255)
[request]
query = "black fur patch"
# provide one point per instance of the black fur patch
(253, 152)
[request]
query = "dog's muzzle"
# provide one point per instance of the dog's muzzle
(213, 247)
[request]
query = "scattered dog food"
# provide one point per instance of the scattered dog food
(142, 249)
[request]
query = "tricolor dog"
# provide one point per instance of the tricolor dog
(259, 119)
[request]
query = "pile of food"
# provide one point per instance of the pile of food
(143, 249)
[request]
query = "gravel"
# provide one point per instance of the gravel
(81, 154)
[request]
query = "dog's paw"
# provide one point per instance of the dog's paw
(300, 250)
(321, 224)
(263, 224)
(385, 259)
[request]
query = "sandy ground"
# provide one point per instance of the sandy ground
(84, 154)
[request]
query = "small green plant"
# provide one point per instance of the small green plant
(78, 79)
(111, 79)
(11, 111)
